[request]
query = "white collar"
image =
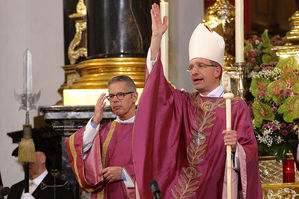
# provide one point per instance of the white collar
(217, 92)
(131, 120)
(40, 178)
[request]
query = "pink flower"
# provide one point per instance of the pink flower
(253, 53)
(269, 68)
(284, 132)
(274, 109)
(288, 92)
(261, 94)
(283, 125)
(262, 65)
(272, 63)
(264, 126)
(270, 124)
(274, 128)
(253, 60)
(277, 43)
(290, 126)
(277, 103)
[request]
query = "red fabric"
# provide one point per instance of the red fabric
(164, 148)
(119, 153)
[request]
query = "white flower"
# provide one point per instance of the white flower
(279, 139)
(269, 140)
(268, 74)
(265, 139)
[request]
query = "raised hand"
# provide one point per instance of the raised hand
(98, 109)
(158, 29)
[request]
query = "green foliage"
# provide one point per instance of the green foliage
(258, 84)
(261, 112)
(290, 109)
(275, 88)
(288, 63)
(273, 91)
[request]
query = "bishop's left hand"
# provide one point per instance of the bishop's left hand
(112, 174)
(230, 139)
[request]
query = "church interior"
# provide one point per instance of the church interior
(74, 47)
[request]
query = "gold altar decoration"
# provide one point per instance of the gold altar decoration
(74, 53)
(293, 35)
(291, 39)
(271, 171)
(80, 25)
(70, 76)
(220, 17)
(281, 190)
(95, 73)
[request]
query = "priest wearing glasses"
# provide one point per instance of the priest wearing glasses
(101, 154)
(181, 136)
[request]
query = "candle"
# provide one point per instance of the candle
(27, 73)
(164, 11)
(239, 28)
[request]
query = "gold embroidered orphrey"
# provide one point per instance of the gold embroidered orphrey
(204, 117)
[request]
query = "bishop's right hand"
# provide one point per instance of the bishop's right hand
(99, 109)
(158, 29)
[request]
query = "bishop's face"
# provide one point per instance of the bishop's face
(124, 107)
(205, 76)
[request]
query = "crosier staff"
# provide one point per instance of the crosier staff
(228, 97)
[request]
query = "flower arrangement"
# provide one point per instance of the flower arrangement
(275, 88)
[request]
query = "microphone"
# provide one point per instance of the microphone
(155, 189)
(5, 191)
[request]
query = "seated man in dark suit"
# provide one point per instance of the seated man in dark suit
(41, 182)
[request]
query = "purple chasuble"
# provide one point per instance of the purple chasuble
(112, 146)
(178, 142)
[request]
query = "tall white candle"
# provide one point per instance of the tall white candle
(164, 11)
(239, 27)
(27, 72)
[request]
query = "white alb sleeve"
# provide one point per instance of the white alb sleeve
(150, 63)
(88, 137)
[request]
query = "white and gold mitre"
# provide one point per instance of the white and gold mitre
(206, 44)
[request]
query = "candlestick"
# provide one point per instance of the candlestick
(239, 28)
(164, 11)
(229, 89)
(27, 72)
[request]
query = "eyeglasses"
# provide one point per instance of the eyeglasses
(199, 66)
(119, 95)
